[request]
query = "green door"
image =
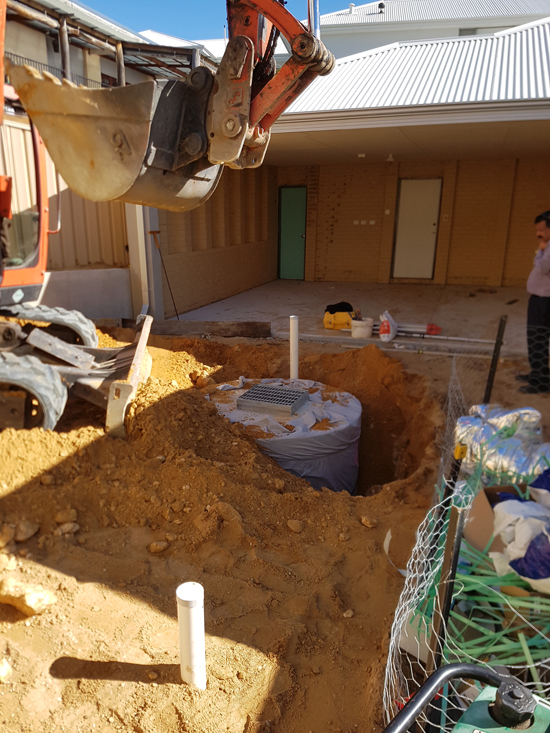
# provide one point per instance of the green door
(292, 232)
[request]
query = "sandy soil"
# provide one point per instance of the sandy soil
(297, 623)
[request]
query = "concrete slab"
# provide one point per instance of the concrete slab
(471, 312)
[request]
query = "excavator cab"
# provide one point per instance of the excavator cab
(164, 143)
(24, 217)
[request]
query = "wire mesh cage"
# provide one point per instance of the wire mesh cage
(454, 607)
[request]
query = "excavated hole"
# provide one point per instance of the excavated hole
(399, 419)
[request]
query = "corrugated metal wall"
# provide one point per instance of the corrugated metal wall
(92, 234)
(225, 246)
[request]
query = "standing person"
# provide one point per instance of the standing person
(538, 313)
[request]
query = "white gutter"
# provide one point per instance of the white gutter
(441, 114)
(379, 22)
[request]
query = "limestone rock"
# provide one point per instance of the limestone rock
(295, 525)
(25, 530)
(47, 479)
(158, 546)
(279, 484)
(5, 671)
(7, 563)
(67, 528)
(29, 599)
(349, 613)
(6, 535)
(369, 522)
(152, 675)
(343, 537)
(66, 515)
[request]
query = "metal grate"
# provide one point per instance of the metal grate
(262, 398)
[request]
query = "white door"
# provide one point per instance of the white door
(416, 235)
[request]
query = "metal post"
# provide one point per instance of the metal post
(294, 347)
(196, 57)
(446, 587)
(120, 68)
(494, 360)
(65, 49)
(311, 16)
(317, 25)
(442, 607)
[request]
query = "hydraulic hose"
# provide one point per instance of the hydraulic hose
(406, 717)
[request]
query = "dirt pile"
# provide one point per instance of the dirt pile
(299, 593)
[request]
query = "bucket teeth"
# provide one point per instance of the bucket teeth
(52, 78)
(31, 71)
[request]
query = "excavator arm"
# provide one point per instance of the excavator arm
(164, 143)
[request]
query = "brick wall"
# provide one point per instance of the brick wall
(485, 234)
(229, 244)
(480, 221)
(225, 246)
(531, 197)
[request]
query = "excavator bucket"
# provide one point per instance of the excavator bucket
(143, 144)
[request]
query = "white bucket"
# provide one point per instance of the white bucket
(362, 329)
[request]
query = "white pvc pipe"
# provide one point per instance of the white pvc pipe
(190, 598)
(294, 341)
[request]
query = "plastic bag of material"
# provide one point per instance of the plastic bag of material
(388, 327)
(535, 564)
(525, 420)
(507, 442)
(524, 528)
(539, 489)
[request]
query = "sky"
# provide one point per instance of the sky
(189, 19)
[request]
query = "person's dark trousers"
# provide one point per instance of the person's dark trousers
(538, 338)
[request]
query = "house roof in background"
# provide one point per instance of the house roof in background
(512, 65)
(88, 29)
(214, 46)
(92, 19)
(410, 11)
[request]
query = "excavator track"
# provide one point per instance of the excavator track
(71, 320)
(46, 393)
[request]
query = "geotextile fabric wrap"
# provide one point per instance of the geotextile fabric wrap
(324, 457)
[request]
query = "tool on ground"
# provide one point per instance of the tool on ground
(510, 706)
(164, 143)
(339, 316)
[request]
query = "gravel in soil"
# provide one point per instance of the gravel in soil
(299, 594)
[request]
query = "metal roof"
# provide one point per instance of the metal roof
(410, 11)
(509, 65)
(91, 18)
(215, 47)
(88, 29)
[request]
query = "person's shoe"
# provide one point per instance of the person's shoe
(532, 389)
(523, 377)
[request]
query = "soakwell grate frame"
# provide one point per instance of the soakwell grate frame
(265, 398)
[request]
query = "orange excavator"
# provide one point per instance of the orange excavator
(160, 143)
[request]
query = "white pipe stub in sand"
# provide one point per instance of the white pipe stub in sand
(294, 346)
(190, 598)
